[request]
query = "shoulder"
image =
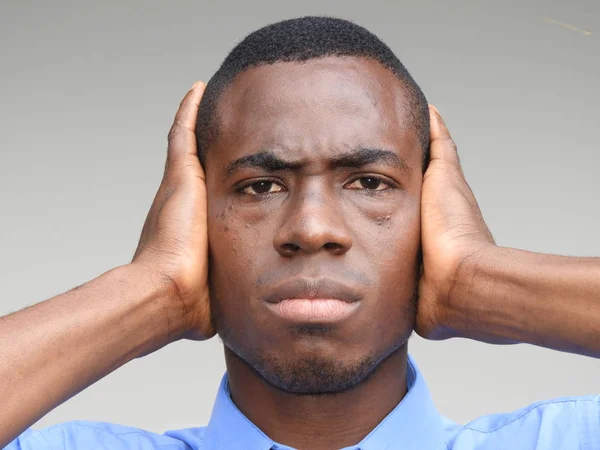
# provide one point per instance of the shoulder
(561, 423)
(77, 435)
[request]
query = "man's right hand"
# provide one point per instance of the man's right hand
(173, 246)
(51, 351)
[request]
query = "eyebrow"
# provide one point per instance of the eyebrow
(355, 159)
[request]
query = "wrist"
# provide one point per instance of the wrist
(159, 296)
(462, 306)
(479, 306)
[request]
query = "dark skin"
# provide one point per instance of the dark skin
(336, 195)
(469, 287)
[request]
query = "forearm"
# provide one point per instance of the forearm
(52, 350)
(506, 295)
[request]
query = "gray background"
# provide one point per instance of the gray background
(88, 91)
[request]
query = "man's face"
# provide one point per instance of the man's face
(314, 192)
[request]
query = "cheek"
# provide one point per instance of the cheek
(398, 271)
(225, 243)
(225, 232)
(227, 262)
(396, 240)
(236, 249)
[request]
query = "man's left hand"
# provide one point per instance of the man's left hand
(453, 234)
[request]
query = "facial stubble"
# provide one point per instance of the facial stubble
(312, 374)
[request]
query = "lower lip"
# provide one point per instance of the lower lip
(314, 310)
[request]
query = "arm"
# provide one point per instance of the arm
(53, 350)
(519, 296)
(472, 288)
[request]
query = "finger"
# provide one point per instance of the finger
(182, 138)
(441, 145)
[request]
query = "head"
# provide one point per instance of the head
(314, 139)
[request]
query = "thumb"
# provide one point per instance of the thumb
(182, 149)
(441, 145)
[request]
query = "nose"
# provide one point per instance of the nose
(313, 223)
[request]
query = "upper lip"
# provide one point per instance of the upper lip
(311, 288)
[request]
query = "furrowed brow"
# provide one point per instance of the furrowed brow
(364, 156)
(266, 161)
(269, 162)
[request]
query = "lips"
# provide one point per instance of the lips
(313, 289)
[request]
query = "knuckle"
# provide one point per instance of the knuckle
(175, 129)
(450, 143)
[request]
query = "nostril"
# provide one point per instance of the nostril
(290, 247)
(331, 245)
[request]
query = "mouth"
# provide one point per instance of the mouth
(304, 300)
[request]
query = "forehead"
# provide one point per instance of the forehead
(329, 104)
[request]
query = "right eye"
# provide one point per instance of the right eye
(261, 188)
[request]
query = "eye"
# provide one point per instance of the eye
(369, 183)
(262, 187)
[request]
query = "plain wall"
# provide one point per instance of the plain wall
(88, 91)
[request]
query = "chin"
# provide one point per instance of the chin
(315, 375)
(315, 372)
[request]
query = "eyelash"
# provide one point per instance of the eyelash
(388, 183)
(242, 188)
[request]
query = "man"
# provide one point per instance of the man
(339, 220)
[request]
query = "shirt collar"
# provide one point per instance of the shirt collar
(413, 424)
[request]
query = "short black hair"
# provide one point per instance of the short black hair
(299, 40)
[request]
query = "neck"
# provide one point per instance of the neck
(318, 422)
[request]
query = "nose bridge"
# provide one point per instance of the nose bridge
(314, 220)
(313, 197)
(314, 202)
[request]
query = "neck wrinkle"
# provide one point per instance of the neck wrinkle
(322, 422)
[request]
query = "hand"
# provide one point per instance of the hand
(453, 234)
(173, 246)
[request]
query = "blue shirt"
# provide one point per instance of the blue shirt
(565, 423)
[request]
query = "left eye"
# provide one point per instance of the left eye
(368, 183)
(262, 187)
